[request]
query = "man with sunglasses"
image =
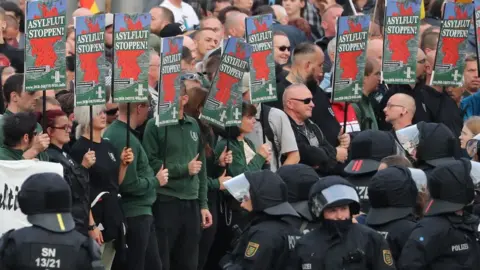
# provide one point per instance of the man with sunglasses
(18, 100)
(19, 133)
(314, 149)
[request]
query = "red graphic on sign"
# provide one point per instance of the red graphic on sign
(168, 80)
(88, 61)
(348, 60)
(450, 44)
(398, 43)
(43, 48)
(259, 59)
(225, 81)
(478, 28)
(127, 60)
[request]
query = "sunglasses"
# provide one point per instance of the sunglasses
(283, 48)
(190, 77)
(305, 101)
(111, 112)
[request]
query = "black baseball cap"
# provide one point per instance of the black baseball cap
(173, 29)
(437, 144)
(299, 179)
(368, 148)
(450, 186)
(392, 193)
(47, 201)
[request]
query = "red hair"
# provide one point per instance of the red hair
(52, 115)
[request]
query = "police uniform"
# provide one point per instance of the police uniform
(393, 196)
(368, 148)
(270, 240)
(52, 242)
(339, 244)
(443, 239)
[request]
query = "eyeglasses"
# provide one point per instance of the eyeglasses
(422, 61)
(389, 106)
(283, 48)
(305, 101)
(65, 127)
(112, 112)
(190, 77)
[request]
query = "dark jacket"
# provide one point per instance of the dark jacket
(361, 181)
(324, 156)
(396, 233)
(443, 109)
(267, 245)
(358, 248)
(442, 242)
(77, 177)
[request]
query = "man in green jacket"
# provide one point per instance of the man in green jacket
(19, 132)
(182, 203)
(137, 189)
(18, 100)
(363, 108)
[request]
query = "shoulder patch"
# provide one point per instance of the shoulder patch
(387, 257)
(251, 249)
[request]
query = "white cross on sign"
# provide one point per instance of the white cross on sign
(356, 89)
(237, 114)
(223, 115)
(99, 92)
(57, 76)
(270, 90)
(408, 72)
(140, 90)
(455, 75)
(174, 112)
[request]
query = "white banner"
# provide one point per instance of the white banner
(12, 176)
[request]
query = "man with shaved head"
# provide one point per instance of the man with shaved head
(422, 113)
(235, 24)
(375, 49)
(280, 14)
(399, 111)
(206, 40)
(79, 12)
(214, 24)
(307, 69)
(191, 45)
(429, 40)
(161, 17)
(313, 147)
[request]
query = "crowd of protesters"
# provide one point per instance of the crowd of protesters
(159, 201)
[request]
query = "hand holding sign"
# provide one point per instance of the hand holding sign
(225, 158)
(162, 176)
(194, 166)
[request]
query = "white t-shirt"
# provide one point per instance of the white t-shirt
(184, 15)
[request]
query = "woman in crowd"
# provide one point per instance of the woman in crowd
(76, 174)
(106, 175)
(471, 127)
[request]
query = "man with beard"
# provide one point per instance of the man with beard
(415, 91)
(307, 68)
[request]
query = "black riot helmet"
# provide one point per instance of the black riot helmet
(332, 191)
(47, 201)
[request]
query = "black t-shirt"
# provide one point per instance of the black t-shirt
(104, 173)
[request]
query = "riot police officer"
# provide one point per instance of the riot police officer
(368, 148)
(52, 242)
(393, 197)
(269, 240)
(299, 179)
(446, 238)
(339, 243)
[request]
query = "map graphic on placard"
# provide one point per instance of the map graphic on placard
(45, 26)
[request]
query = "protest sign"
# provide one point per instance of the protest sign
(224, 104)
(477, 27)
(452, 45)
(45, 38)
(90, 68)
(352, 37)
(12, 176)
(132, 57)
(169, 90)
(400, 46)
(262, 64)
